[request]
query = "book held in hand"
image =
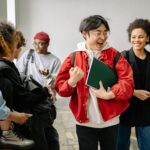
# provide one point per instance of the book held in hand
(99, 71)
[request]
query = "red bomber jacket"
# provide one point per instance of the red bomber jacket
(123, 89)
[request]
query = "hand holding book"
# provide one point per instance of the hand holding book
(102, 93)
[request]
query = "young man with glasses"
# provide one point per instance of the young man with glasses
(96, 110)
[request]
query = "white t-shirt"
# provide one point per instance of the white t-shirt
(39, 62)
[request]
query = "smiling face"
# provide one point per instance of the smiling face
(138, 39)
(96, 38)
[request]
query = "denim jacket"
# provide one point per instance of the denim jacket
(4, 110)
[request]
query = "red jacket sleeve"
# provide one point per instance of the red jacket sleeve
(61, 83)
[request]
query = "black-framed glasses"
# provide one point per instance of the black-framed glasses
(99, 33)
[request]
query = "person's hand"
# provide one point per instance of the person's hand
(48, 83)
(141, 94)
(102, 93)
(44, 72)
(52, 94)
(76, 74)
(19, 118)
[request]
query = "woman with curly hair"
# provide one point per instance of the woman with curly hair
(20, 43)
(21, 99)
(138, 114)
(8, 41)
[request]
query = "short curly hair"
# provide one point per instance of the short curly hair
(139, 23)
(20, 39)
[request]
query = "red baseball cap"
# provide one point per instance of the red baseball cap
(43, 36)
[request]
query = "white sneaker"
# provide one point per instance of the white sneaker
(10, 139)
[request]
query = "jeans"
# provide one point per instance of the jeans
(89, 138)
(142, 135)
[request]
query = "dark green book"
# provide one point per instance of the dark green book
(100, 71)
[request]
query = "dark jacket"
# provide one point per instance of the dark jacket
(138, 114)
(14, 93)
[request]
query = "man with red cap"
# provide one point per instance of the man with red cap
(43, 66)
(42, 36)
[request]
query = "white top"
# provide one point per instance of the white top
(40, 62)
(93, 112)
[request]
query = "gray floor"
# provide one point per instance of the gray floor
(66, 127)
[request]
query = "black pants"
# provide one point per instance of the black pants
(88, 138)
(40, 129)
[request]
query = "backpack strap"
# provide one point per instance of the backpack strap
(125, 53)
(116, 59)
(73, 59)
(30, 54)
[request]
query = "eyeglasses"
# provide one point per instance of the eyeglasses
(39, 44)
(98, 33)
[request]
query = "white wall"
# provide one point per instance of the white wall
(61, 19)
(3, 10)
(11, 11)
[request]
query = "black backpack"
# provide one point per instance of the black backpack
(30, 83)
(125, 53)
